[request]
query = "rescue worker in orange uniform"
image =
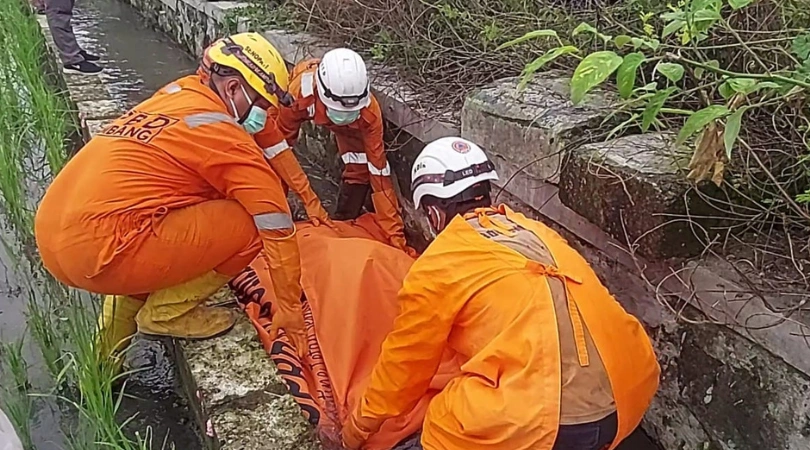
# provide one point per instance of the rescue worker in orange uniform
(174, 198)
(334, 92)
(550, 359)
(280, 156)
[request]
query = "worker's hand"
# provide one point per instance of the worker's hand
(317, 214)
(318, 221)
(292, 322)
(353, 437)
(399, 242)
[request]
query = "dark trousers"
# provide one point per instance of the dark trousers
(588, 436)
(59, 14)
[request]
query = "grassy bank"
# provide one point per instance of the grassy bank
(34, 119)
(35, 122)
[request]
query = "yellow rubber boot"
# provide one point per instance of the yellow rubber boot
(179, 311)
(116, 326)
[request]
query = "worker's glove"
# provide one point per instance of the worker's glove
(400, 243)
(291, 320)
(317, 215)
(318, 221)
(353, 437)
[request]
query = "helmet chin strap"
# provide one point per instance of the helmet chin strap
(437, 218)
(213, 86)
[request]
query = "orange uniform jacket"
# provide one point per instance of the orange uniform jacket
(495, 308)
(360, 144)
(280, 156)
(179, 148)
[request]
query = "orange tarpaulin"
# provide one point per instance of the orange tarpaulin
(350, 279)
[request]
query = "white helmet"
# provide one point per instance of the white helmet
(8, 437)
(448, 166)
(343, 81)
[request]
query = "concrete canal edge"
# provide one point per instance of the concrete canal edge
(723, 386)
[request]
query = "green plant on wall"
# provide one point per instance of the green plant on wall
(661, 63)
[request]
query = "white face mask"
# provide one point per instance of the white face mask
(342, 117)
(255, 119)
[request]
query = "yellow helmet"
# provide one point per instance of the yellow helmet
(253, 57)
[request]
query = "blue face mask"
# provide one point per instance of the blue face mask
(342, 117)
(256, 118)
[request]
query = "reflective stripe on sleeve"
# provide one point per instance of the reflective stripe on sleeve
(273, 221)
(172, 88)
(206, 118)
(307, 89)
(273, 150)
(354, 158)
(384, 172)
(307, 81)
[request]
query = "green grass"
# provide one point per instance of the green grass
(35, 121)
(15, 397)
(44, 328)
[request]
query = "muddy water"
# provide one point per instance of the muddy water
(137, 60)
(13, 298)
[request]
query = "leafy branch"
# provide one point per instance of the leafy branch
(655, 79)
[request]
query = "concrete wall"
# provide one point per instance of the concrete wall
(723, 386)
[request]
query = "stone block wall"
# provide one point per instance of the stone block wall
(635, 189)
(723, 386)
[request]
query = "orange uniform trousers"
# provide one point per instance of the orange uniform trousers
(179, 246)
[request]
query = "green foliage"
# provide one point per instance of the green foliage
(15, 397)
(542, 61)
(700, 119)
(34, 118)
(733, 125)
(654, 106)
(587, 28)
(626, 74)
(661, 66)
(35, 121)
(529, 36)
(673, 71)
(591, 72)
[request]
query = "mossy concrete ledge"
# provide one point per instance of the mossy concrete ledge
(241, 401)
(724, 386)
